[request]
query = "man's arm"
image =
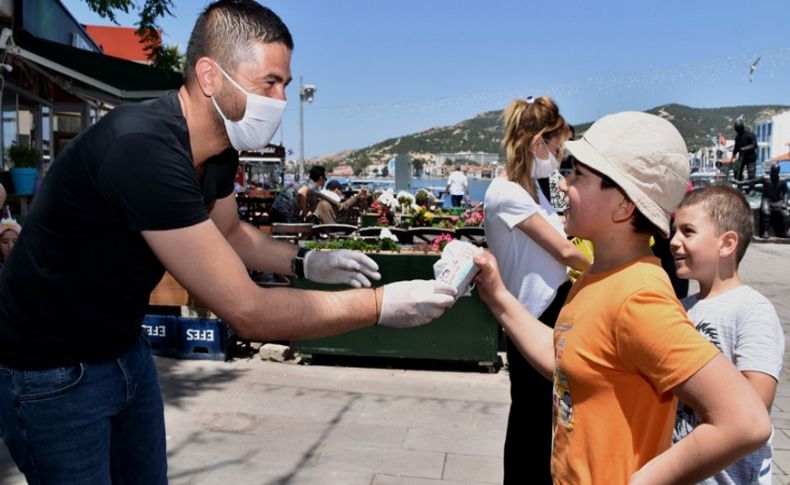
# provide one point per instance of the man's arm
(348, 203)
(734, 423)
(301, 201)
(257, 250)
(534, 340)
(203, 262)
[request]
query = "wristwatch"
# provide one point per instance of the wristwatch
(297, 264)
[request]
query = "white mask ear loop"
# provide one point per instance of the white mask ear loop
(232, 81)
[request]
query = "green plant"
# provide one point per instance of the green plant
(355, 245)
(423, 198)
(23, 156)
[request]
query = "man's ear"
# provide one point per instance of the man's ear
(728, 243)
(207, 74)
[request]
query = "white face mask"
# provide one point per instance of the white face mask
(544, 167)
(261, 119)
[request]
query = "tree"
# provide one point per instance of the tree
(161, 56)
(385, 171)
(417, 165)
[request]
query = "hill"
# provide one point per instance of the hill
(484, 132)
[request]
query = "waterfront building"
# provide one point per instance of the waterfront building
(57, 81)
(773, 136)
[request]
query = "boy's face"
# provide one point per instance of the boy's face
(588, 211)
(696, 243)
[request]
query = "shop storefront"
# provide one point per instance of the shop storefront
(55, 81)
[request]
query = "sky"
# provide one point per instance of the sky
(389, 68)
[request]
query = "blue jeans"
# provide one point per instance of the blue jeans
(96, 423)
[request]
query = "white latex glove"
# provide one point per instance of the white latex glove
(412, 303)
(340, 267)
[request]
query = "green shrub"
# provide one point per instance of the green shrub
(24, 156)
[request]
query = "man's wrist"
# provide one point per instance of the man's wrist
(297, 264)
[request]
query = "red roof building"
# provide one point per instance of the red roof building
(120, 42)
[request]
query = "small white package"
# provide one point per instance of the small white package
(456, 266)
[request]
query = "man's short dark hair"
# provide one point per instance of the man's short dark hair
(333, 185)
(316, 172)
(227, 30)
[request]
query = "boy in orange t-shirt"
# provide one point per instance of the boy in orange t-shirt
(623, 348)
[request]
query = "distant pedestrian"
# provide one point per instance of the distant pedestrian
(774, 204)
(332, 209)
(457, 187)
(297, 202)
(744, 153)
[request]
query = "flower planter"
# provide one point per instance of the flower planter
(24, 180)
(466, 332)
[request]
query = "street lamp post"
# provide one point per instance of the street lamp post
(306, 93)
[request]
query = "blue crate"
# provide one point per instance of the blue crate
(162, 332)
(186, 337)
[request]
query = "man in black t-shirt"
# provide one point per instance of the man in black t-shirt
(745, 148)
(149, 188)
(773, 205)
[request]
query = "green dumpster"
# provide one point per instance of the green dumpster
(466, 332)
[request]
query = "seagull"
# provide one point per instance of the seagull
(753, 67)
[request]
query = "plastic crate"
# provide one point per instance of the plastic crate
(186, 337)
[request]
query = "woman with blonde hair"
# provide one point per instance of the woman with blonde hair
(526, 236)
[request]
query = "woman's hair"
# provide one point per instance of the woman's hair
(524, 120)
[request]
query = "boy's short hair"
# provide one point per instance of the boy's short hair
(728, 210)
(644, 155)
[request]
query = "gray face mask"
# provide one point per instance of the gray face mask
(262, 116)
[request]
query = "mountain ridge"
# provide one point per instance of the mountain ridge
(483, 132)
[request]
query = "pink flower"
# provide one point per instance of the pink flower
(440, 241)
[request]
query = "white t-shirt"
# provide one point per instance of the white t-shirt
(529, 272)
(744, 325)
(457, 182)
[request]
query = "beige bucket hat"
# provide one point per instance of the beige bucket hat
(644, 155)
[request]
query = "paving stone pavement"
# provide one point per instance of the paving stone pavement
(269, 423)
